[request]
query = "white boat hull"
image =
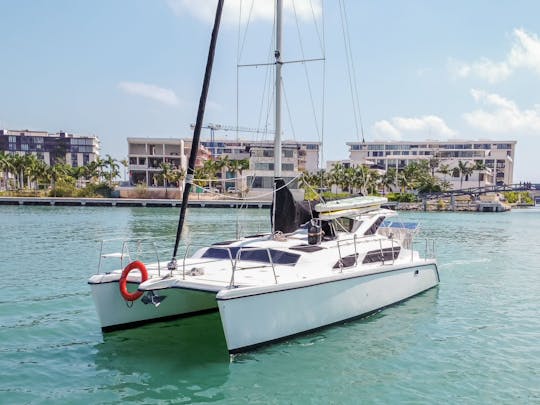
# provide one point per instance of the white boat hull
(251, 318)
(115, 313)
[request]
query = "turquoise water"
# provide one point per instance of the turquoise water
(474, 339)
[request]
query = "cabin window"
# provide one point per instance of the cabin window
(347, 224)
(380, 255)
(373, 228)
(254, 255)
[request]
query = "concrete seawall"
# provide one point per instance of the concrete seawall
(129, 202)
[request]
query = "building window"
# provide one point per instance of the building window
(287, 153)
(288, 167)
(261, 182)
(264, 166)
(375, 147)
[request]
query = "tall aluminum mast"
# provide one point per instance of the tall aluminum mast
(278, 62)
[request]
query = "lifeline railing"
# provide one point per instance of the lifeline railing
(429, 249)
(125, 251)
(236, 259)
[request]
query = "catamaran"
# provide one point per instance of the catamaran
(320, 264)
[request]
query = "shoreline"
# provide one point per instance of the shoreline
(223, 203)
(129, 202)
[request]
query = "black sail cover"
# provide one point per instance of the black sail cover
(289, 214)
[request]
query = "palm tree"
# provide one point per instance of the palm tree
(34, 171)
(222, 165)
(200, 177)
(243, 165)
(6, 167)
(210, 167)
(444, 169)
(365, 179)
(113, 172)
(464, 171)
(336, 174)
(389, 179)
(92, 171)
(100, 165)
(56, 173)
(18, 163)
(238, 167)
(168, 175)
(433, 163)
(480, 167)
(403, 181)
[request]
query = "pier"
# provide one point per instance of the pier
(130, 202)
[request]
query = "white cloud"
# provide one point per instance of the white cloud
(151, 91)
(502, 115)
(258, 9)
(524, 54)
(386, 130)
(428, 126)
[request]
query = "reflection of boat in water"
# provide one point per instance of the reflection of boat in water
(175, 347)
(342, 260)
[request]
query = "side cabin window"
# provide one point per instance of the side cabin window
(347, 224)
(254, 255)
(373, 228)
(381, 255)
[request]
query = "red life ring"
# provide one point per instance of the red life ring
(123, 280)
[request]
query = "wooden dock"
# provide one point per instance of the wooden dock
(129, 202)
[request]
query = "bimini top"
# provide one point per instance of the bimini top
(350, 204)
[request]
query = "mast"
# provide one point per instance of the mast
(279, 63)
(277, 135)
(197, 132)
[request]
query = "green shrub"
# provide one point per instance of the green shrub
(515, 196)
(401, 197)
(327, 195)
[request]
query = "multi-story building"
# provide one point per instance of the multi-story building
(146, 155)
(296, 157)
(497, 156)
(60, 147)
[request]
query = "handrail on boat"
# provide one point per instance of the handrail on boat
(238, 258)
(125, 251)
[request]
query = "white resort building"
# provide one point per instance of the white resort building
(497, 156)
(146, 155)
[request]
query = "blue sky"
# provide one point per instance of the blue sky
(423, 69)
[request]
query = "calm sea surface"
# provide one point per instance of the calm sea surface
(474, 339)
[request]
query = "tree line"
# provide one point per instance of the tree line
(418, 176)
(28, 173)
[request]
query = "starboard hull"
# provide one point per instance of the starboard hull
(252, 319)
